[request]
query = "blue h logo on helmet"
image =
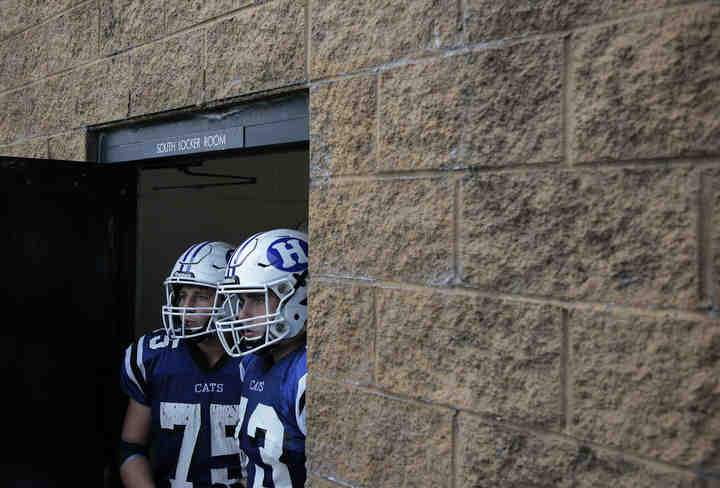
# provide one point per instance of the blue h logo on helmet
(288, 254)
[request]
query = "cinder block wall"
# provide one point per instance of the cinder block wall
(514, 215)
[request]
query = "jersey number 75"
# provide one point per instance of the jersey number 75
(189, 415)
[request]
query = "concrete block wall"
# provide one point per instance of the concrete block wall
(514, 229)
(514, 215)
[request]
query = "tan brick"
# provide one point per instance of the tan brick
(128, 23)
(85, 96)
(366, 439)
(347, 36)
(423, 113)
(167, 74)
(50, 106)
(342, 127)
(181, 14)
(72, 38)
(497, 107)
(515, 115)
(592, 235)
(491, 455)
(69, 147)
(647, 88)
(488, 20)
(14, 110)
(34, 148)
(397, 229)
(101, 91)
(23, 57)
(648, 386)
(260, 48)
(342, 327)
(472, 353)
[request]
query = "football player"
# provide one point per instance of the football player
(265, 287)
(184, 389)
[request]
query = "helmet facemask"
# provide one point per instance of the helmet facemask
(202, 266)
(286, 321)
(183, 322)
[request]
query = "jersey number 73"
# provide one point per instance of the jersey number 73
(265, 419)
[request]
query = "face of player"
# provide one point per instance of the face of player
(253, 305)
(197, 297)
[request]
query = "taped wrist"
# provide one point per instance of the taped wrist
(126, 450)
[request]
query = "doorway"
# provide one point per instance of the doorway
(89, 246)
(179, 207)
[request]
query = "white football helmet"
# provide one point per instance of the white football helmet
(203, 264)
(269, 262)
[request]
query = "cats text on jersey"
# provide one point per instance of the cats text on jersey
(208, 387)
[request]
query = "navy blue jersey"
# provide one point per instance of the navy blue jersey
(194, 409)
(272, 431)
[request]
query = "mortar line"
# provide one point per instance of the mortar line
(454, 443)
(191, 109)
(706, 248)
(43, 136)
(562, 303)
(230, 13)
(308, 37)
(549, 435)
(378, 106)
(47, 137)
(31, 83)
(99, 30)
(642, 14)
(380, 392)
(565, 100)
(666, 163)
(457, 218)
(47, 20)
(329, 80)
(702, 283)
(565, 361)
(492, 419)
(332, 480)
(205, 65)
(449, 52)
(129, 50)
(510, 41)
(680, 160)
(375, 320)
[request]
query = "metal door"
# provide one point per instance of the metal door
(68, 269)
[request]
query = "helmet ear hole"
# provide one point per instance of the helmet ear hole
(283, 289)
